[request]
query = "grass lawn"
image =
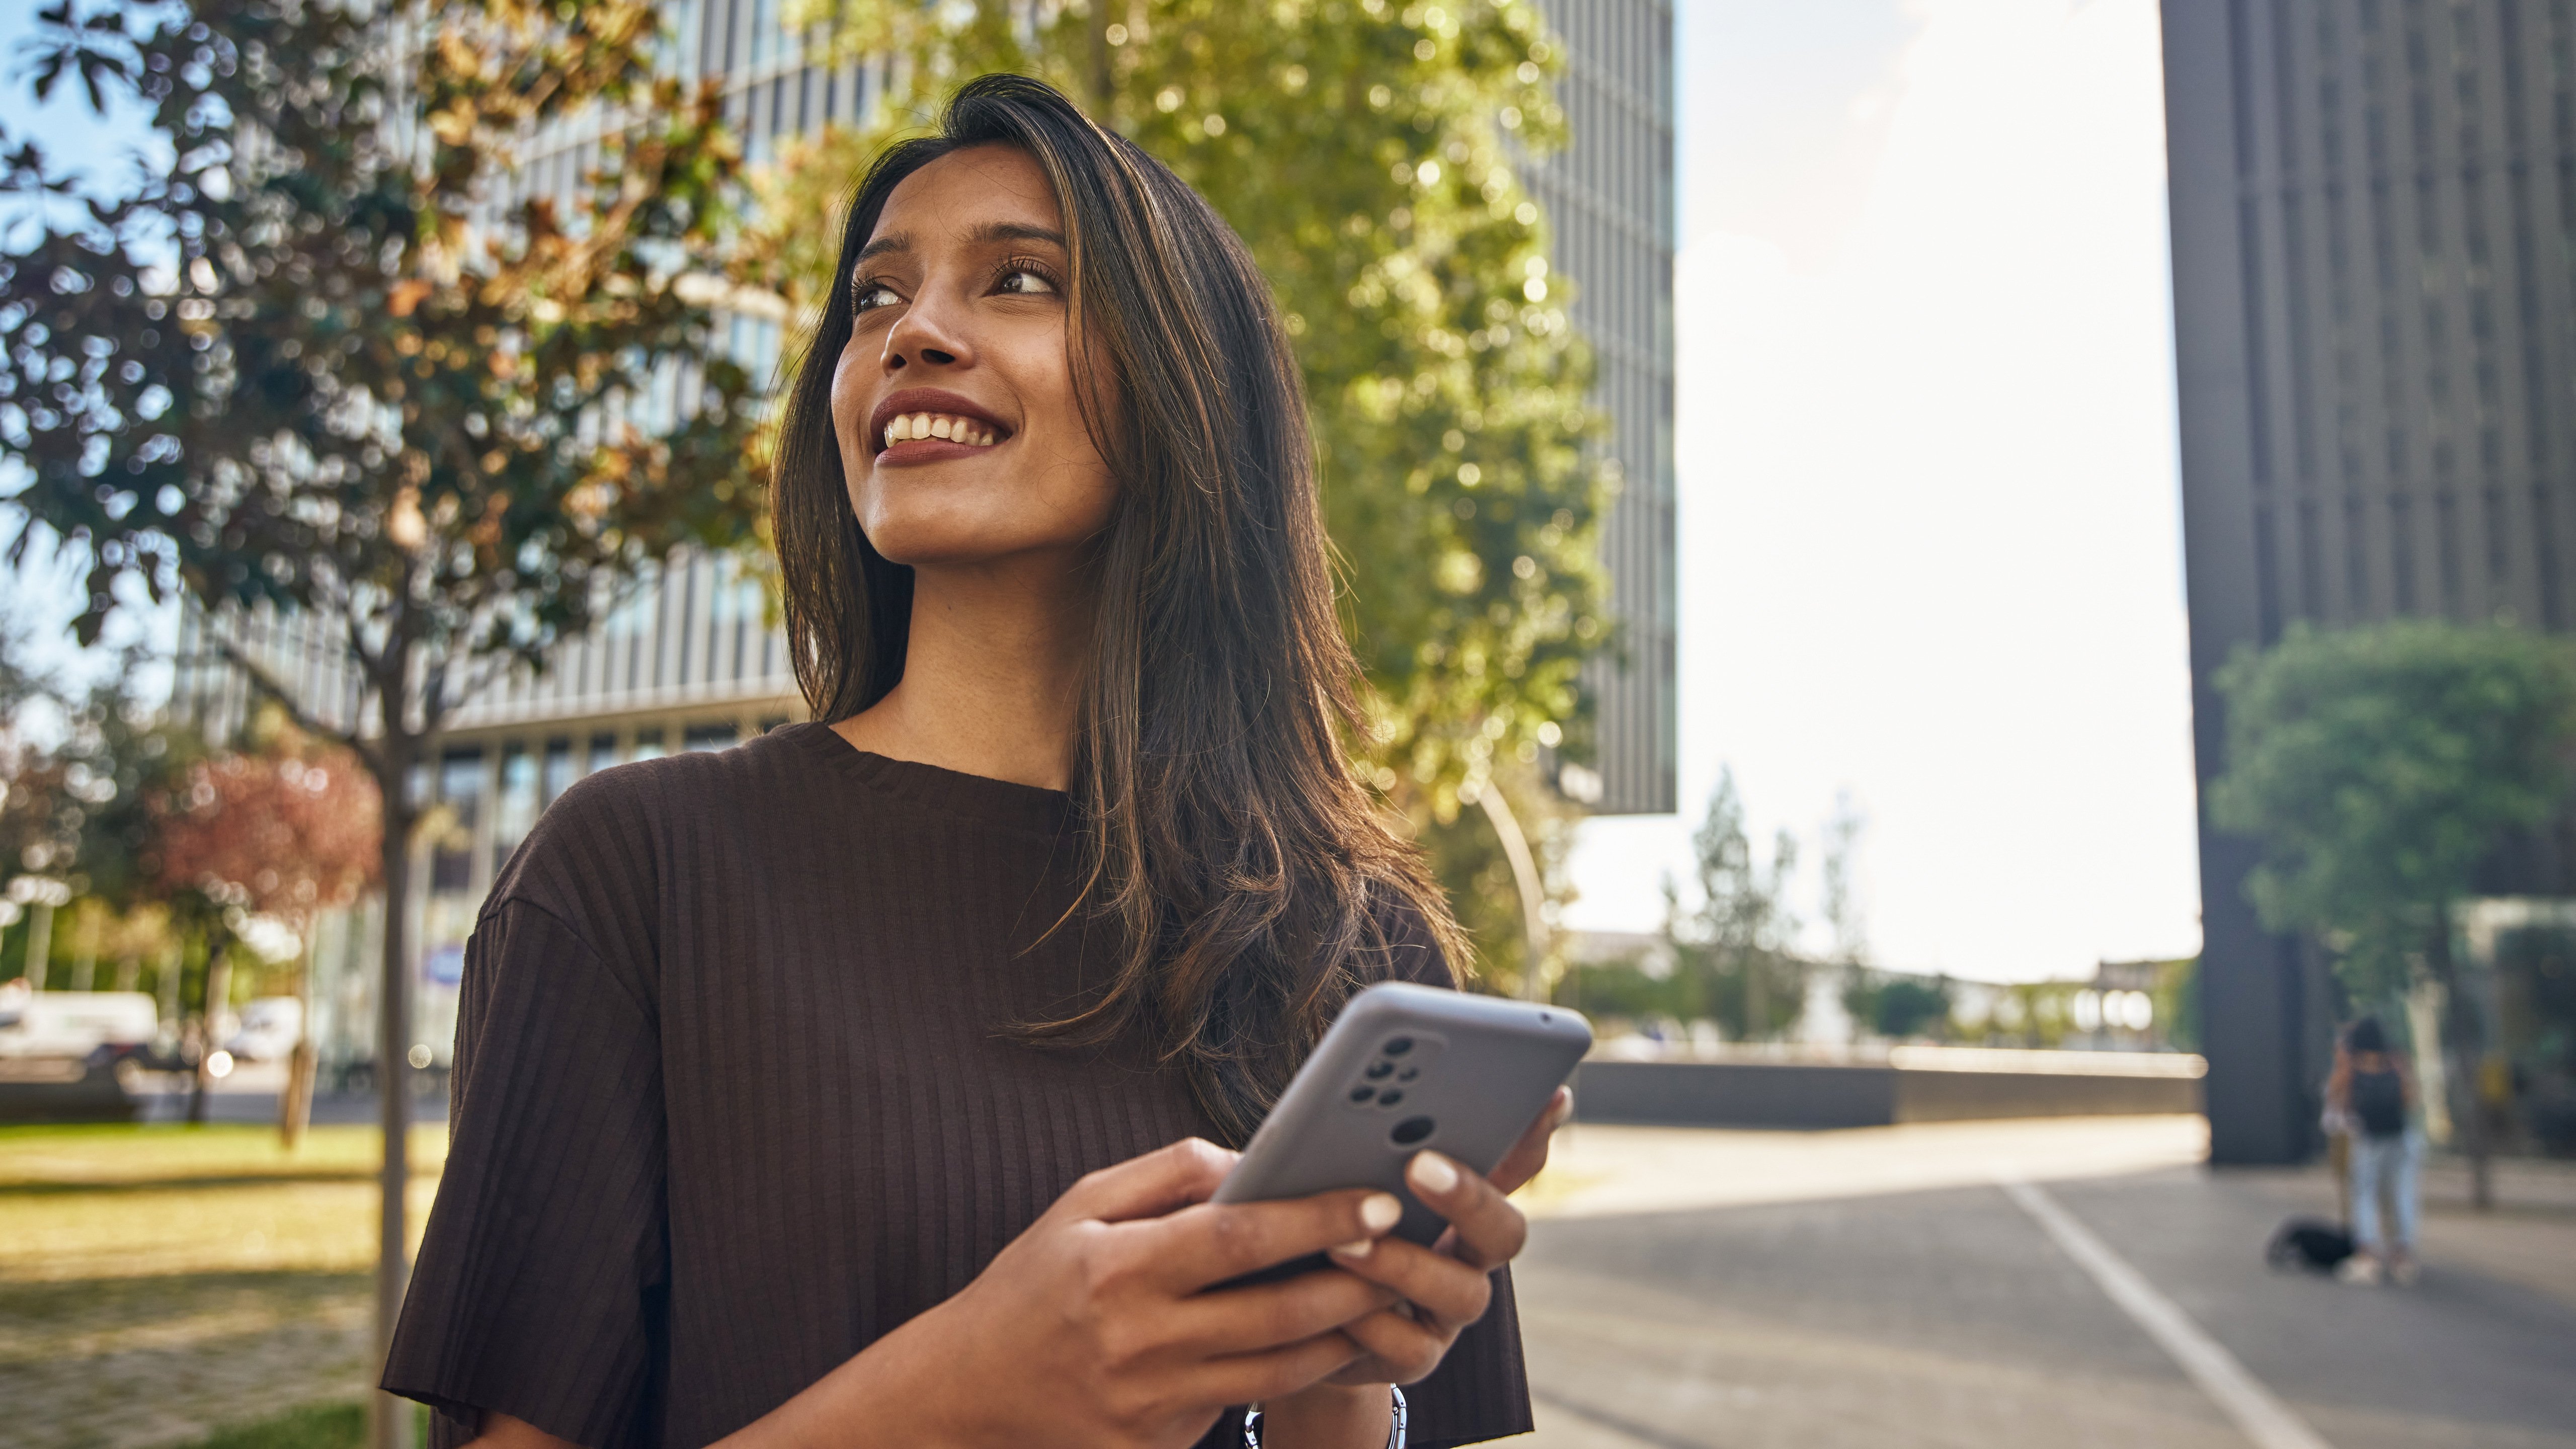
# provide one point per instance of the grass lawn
(158, 1281)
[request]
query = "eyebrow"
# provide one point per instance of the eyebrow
(984, 235)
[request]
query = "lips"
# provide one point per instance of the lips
(924, 423)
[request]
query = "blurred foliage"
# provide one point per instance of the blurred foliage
(289, 830)
(1732, 945)
(1898, 1007)
(1467, 857)
(324, 353)
(1364, 150)
(2377, 767)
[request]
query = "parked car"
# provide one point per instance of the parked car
(76, 1054)
(270, 1027)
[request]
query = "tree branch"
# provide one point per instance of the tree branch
(266, 685)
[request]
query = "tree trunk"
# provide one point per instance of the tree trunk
(295, 1104)
(210, 1023)
(389, 1418)
(40, 944)
(2462, 1048)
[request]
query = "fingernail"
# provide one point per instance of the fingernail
(1564, 1110)
(1432, 1172)
(1358, 1249)
(1379, 1211)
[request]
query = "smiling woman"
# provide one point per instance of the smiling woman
(856, 1086)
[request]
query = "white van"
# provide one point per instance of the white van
(74, 1023)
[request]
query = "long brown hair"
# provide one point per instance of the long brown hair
(1251, 880)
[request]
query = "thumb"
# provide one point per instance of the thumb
(1164, 1180)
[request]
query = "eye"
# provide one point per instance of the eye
(868, 296)
(1024, 281)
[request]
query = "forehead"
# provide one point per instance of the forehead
(962, 196)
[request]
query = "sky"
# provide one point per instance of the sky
(1930, 521)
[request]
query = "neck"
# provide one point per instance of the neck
(992, 674)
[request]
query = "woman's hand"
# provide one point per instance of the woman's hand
(1092, 1329)
(1446, 1286)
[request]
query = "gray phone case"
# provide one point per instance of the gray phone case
(1406, 1068)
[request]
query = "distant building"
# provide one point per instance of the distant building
(1609, 203)
(689, 661)
(2374, 211)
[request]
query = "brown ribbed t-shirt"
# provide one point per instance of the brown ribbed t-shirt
(736, 1095)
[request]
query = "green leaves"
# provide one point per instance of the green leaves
(2380, 766)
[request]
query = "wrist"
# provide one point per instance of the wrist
(1329, 1416)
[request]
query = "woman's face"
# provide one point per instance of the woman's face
(960, 426)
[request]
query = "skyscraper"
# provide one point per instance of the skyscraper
(1609, 203)
(2374, 265)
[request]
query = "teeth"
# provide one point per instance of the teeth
(912, 426)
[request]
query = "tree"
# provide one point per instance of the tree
(2377, 768)
(282, 834)
(326, 361)
(1735, 939)
(1364, 151)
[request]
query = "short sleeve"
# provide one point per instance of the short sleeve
(1481, 1390)
(539, 1288)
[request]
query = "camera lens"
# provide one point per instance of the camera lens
(1397, 1046)
(1378, 1070)
(1362, 1094)
(1411, 1130)
(1389, 1097)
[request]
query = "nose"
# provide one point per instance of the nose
(931, 332)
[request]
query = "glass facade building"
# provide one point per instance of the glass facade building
(1609, 203)
(2374, 268)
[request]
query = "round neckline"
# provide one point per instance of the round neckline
(1005, 803)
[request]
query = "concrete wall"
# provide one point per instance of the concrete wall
(1813, 1097)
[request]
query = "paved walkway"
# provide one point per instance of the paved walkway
(1886, 1288)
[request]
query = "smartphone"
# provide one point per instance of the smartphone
(1402, 1069)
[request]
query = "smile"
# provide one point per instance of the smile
(943, 426)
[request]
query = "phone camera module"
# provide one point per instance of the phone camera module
(1397, 1046)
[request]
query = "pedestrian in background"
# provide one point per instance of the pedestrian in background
(2373, 1092)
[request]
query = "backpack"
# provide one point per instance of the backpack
(2379, 1102)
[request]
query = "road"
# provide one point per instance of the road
(1687, 1289)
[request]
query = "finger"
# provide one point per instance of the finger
(1489, 1230)
(1451, 1292)
(1405, 1348)
(1530, 1153)
(1253, 1378)
(1167, 1178)
(1213, 1242)
(1267, 1315)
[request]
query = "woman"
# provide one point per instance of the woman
(2374, 1093)
(850, 1087)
